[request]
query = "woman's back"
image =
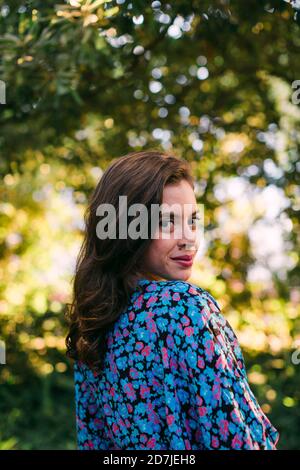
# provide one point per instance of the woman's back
(173, 379)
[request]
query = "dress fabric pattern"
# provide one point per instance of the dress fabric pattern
(174, 378)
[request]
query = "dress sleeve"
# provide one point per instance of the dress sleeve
(89, 420)
(205, 357)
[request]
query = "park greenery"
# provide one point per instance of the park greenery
(87, 81)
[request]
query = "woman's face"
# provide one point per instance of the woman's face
(180, 232)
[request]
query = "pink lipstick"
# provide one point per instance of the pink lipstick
(184, 260)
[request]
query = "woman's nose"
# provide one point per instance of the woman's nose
(189, 238)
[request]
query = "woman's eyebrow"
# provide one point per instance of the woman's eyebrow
(162, 214)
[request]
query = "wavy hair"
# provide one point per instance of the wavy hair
(106, 270)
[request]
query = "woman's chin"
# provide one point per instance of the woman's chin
(182, 274)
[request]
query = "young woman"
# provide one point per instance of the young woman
(156, 364)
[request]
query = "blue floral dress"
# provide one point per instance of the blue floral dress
(174, 379)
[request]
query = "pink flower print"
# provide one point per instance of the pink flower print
(150, 314)
(187, 444)
(165, 295)
(221, 362)
(151, 301)
(115, 428)
(221, 341)
(248, 439)
(187, 425)
(216, 391)
(151, 326)
(151, 443)
(185, 320)
(129, 408)
(121, 423)
(128, 424)
(112, 365)
(80, 423)
(236, 442)
(165, 357)
(139, 345)
(202, 410)
(212, 306)
(198, 435)
(155, 382)
(170, 419)
(192, 291)
(153, 416)
(107, 409)
(189, 330)
(118, 334)
(170, 342)
(144, 391)
(146, 351)
(209, 349)
(199, 400)
(176, 297)
(173, 364)
(215, 442)
(129, 390)
(131, 316)
(223, 426)
(201, 363)
(138, 302)
(235, 415)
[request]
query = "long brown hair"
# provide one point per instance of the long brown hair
(107, 269)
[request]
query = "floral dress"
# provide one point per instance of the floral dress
(174, 378)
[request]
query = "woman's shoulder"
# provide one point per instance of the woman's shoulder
(179, 291)
(83, 373)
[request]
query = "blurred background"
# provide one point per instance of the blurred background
(83, 82)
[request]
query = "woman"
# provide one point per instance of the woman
(157, 366)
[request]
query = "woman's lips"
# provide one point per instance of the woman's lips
(185, 261)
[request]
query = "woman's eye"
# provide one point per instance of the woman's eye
(194, 221)
(166, 223)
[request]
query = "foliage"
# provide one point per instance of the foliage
(87, 81)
